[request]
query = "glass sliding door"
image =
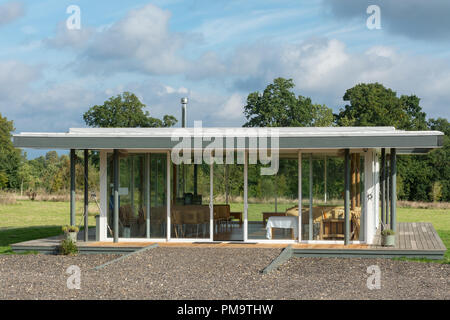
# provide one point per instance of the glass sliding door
(142, 195)
(158, 195)
(190, 211)
(273, 201)
(323, 196)
(228, 201)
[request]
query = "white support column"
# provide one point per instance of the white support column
(245, 196)
(376, 179)
(211, 202)
(168, 197)
(299, 232)
(103, 232)
(370, 211)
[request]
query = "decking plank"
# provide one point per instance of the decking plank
(401, 231)
(434, 233)
(417, 239)
(421, 236)
(431, 243)
(407, 237)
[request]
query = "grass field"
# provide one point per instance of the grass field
(27, 220)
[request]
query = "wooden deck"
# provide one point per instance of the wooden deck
(412, 240)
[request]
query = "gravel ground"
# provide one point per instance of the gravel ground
(217, 273)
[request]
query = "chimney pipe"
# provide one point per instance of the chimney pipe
(184, 102)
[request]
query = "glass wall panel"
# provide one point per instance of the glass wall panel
(190, 212)
(328, 212)
(272, 201)
(228, 200)
(158, 195)
(133, 219)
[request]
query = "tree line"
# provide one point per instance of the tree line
(420, 177)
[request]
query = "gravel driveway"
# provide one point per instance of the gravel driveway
(217, 273)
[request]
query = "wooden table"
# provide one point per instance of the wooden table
(236, 215)
(266, 215)
(332, 228)
(282, 222)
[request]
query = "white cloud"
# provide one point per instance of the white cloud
(415, 19)
(10, 11)
(15, 79)
(141, 42)
(325, 68)
(70, 38)
(233, 107)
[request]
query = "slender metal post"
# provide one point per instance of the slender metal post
(299, 196)
(169, 226)
(393, 189)
(116, 195)
(347, 197)
(358, 180)
(195, 178)
(276, 193)
(310, 231)
(211, 202)
(245, 196)
(72, 187)
(383, 185)
(387, 193)
(86, 195)
(325, 179)
(226, 183)
(147, 193)
(131, 159)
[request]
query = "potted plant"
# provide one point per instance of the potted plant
(388, 238)
(71, 232)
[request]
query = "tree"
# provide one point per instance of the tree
(278, 106)
(124, 110)
(440, 158)
(374, 105)
(10, 157)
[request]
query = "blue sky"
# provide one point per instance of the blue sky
(214, 52)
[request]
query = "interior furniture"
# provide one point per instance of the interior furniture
(282, 222)
(267, 215)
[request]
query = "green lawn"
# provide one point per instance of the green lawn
(440, 218)
(27, 220)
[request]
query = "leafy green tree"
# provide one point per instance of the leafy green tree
(439, 159)
(277, 106)
(10, 157)
(371, 104)
(124, 110)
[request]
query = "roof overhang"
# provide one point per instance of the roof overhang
(286, 138)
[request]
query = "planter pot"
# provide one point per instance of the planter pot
(388, 241)
(72, 236)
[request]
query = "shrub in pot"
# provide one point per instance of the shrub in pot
(388, 238)
(71, 232)
(68, 247)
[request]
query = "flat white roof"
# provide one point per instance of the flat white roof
(232, 132)
(289, 138)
